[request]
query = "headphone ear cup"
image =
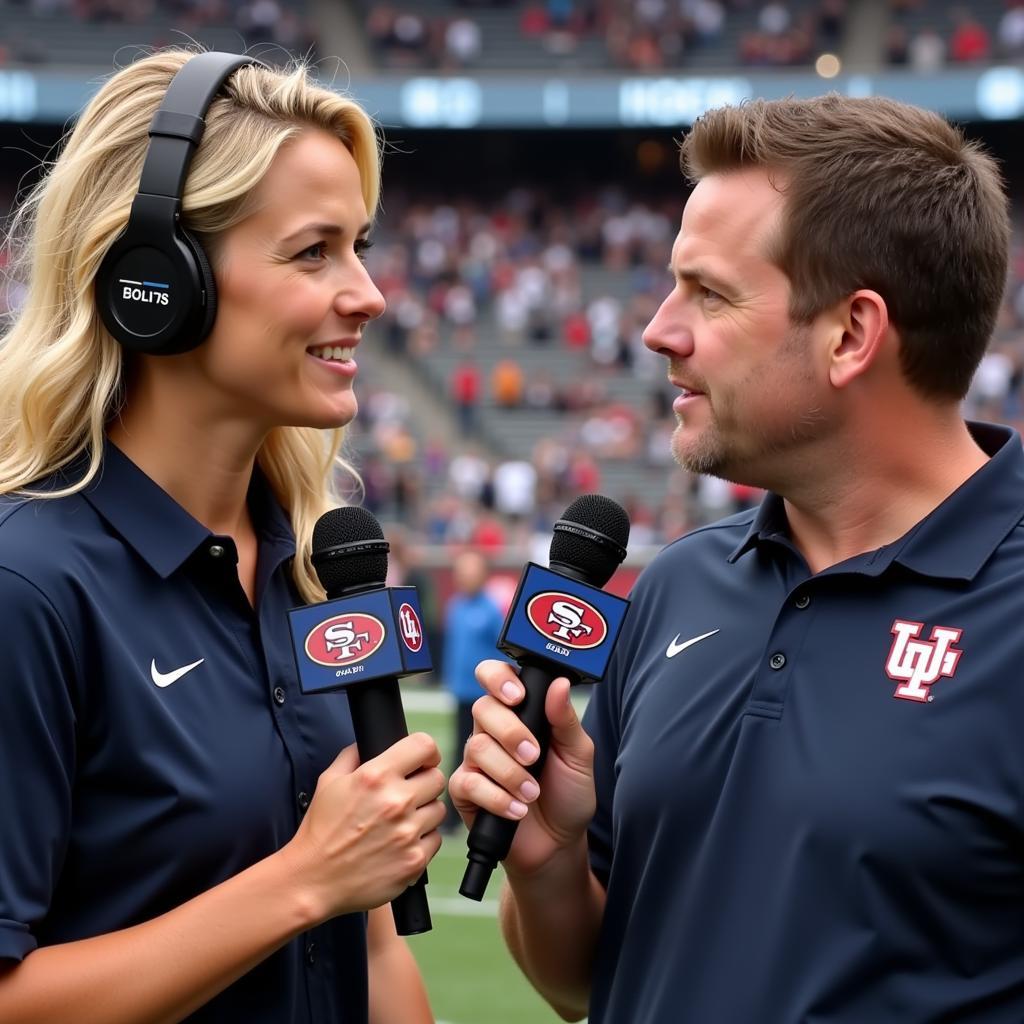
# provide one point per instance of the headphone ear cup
(148, 297)
(155, 290)
(208, 283)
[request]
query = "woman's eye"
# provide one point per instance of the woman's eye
(361, 246)
(314, 252)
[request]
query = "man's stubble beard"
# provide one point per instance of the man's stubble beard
(712, 455)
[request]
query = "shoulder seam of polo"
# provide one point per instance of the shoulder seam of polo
(60, 618)
(32, 500)
(1018, 525)
(731, 523)
(16, 506)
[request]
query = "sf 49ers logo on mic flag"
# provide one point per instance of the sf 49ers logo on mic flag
(567, 619)
(564, 621)
(354, 639)
(345, 639)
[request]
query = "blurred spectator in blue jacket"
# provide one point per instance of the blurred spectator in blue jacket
(473, 622)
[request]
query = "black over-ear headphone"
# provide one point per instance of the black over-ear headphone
(155, 290)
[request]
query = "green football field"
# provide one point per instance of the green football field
(469, 974)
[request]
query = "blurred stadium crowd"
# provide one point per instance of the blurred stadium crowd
(647, 35)
(284, 23)
(509, 374)
(637, 34)
(642, 35)
(527, 308)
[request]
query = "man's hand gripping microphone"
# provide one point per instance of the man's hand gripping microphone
(560, 624)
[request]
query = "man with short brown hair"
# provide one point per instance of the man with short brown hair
(800, 792)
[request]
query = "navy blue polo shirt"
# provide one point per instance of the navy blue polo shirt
(153, 739)
(811, 787)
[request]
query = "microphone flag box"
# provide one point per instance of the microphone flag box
(563, 621)
(354, 639)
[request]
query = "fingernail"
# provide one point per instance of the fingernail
(511, 691)
(529, 790)
(517, 809)
(527, 752)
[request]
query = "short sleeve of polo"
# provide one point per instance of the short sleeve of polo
(37, 754)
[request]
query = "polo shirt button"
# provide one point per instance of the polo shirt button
(802, 601)
(278, 695)
(311, 954)
(777, 661)
(303, 800)
(216, 550)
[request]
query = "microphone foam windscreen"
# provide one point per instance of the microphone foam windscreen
(596, 560)
(348, 526)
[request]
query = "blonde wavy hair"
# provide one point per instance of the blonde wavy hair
(61, 372)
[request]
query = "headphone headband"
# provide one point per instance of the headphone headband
(155, 290)
(178, 124)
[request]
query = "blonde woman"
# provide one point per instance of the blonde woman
(181, 838)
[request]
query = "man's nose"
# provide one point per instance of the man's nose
(669, 333)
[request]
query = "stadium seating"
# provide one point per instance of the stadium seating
(90, 33)
(701, 34)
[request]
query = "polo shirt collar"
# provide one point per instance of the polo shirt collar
(953, 541)
(769, 525)
(959, 537)
(157, 527)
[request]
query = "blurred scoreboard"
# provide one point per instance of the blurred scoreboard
(532, 100)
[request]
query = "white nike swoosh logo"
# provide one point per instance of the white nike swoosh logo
(166, 678)
(675, 647)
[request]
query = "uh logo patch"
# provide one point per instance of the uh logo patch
(916, 664)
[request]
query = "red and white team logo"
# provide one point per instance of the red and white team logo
(567, 619)
(345, 639)
(916, 664)
(410, 627)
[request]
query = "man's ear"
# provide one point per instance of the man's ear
(862, 326)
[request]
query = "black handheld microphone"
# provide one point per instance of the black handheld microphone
(350, 556)
(560, 624)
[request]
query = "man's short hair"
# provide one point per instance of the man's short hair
(879, 195)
